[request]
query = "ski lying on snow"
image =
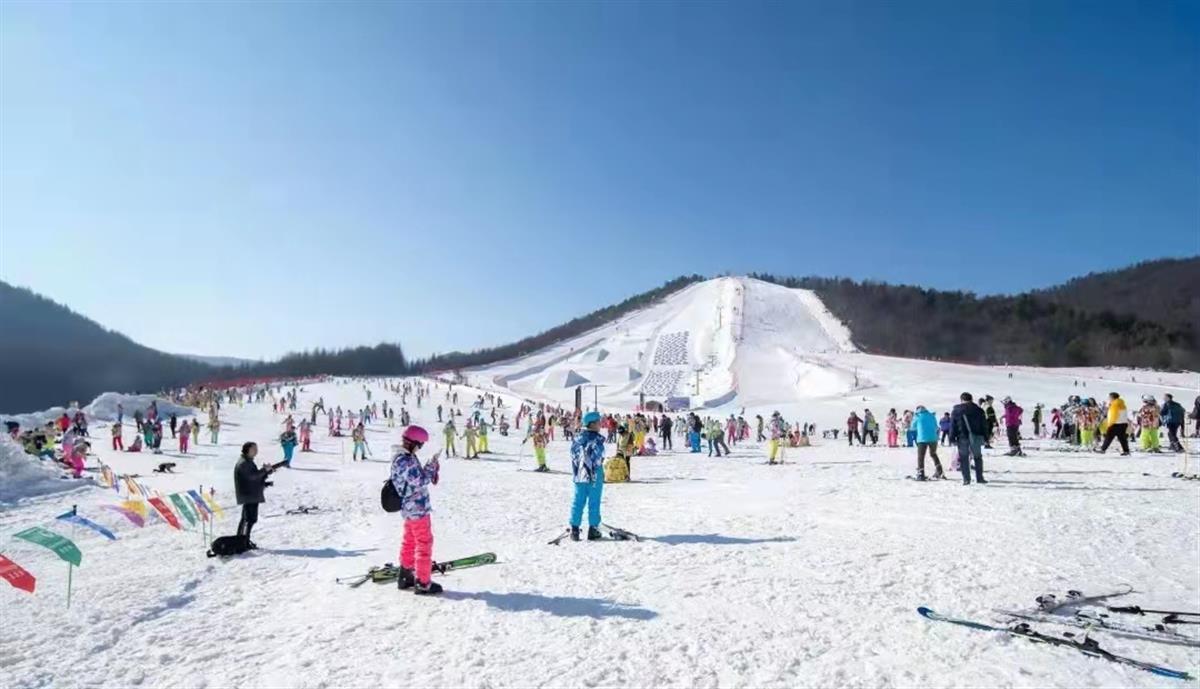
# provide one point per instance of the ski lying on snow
(1087, 620)
(1049, 602)
(390, 572)
(614, 534)
(1087, 646)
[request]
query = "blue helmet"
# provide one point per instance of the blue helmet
(591, 418)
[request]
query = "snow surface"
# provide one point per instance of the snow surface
(808, 574)
(23, 475)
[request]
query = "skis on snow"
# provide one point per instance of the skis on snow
(1086, 646)
(1083, 619)
(614, 533)
(391, 572)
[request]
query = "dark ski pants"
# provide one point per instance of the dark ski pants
(1173, 437)
(1120, 431)
(873, 435)
(931, 448)
(945, 437)
(970, 450)
(1014, 437)
(666, 440)
(851, 434)
(249, 517)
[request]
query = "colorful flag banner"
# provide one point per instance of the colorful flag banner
(129, 514)
(199, 506)
(135, 506)
(203, 506)
(73, 518)
(16, 575)
(61, 545)
(165, 511)
(212, 502)
(182, 507)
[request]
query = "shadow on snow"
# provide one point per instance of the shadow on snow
(559, 606)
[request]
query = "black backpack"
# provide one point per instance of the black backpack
(227, 546)
(389, 499)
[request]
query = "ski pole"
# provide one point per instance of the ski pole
(1135, 610)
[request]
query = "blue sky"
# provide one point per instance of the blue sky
(252, 178)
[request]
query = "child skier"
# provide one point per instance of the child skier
(539, 448)
(185, 434)
(117, 442)
(288, 440)
(411, 481)
(450, 434)
(359, 436)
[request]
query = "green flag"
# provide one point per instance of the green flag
(182, 506)
(61, 545)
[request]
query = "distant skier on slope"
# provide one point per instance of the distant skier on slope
(1012, 426)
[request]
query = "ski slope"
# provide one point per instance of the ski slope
(735, 343)
(806, 574)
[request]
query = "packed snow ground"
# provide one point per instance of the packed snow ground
(807, 574)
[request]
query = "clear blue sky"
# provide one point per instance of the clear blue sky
(251, 178)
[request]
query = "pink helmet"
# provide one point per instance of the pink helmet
(416, 434)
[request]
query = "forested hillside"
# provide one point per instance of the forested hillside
(50, 355)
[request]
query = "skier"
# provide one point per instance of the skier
(777, 430)
(185, 434)
(117, 442)
(1172, 417)
(852, 429)
(992, 422)
(471, 451)
(450, 433)
(910, 435)
(587, 464)
(305, 436)
(214, 429)
(195, 431)
(1012, 426)
(664, 429)
(287, 439)
(892, 424)
(759, 435)
(968, 428)
(359, 436)
(925, 425)
(1148, 421)
(539, 448)
(1118, 424)
(1037, 420)
(411, 481)
(249, 481)
(870, 428)
(944, 428)
(174, 424)
(483, 438)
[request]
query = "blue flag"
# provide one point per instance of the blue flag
(83, 521)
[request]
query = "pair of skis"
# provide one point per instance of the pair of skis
(1086, 645)
(1049, 606)
(614, 534)
(391, 572)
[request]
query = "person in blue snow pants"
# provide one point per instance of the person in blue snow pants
(587, 465)
(589, 494)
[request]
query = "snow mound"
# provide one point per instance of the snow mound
(560, 378)
(26, 476)
(103, 408)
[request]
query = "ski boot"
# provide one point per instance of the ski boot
(594, 534)
(431, 588)
(405, 579)
(919, 477)
(542, 469)
(939, 475)
(575, 533)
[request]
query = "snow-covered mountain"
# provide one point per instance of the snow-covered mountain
(736, 342)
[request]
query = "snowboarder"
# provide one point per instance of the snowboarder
(411, 481)
(587, 464)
